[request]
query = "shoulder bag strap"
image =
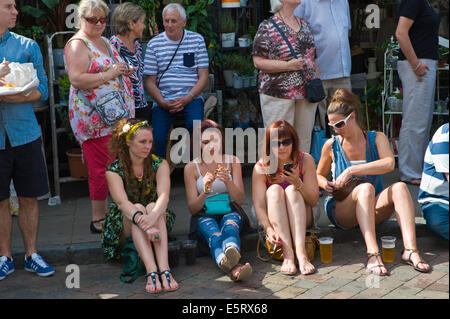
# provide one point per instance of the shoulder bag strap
(283, 35)
(368, 145)
(173, 56)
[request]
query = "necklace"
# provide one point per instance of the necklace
(296, 20)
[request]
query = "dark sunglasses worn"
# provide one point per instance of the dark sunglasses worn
(94, 20)
(285, 142)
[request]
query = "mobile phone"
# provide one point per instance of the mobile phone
(288, 167)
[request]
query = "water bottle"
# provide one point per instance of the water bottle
(13, 200)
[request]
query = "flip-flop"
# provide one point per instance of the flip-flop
(380, 274)
(153, 276)
(231, 259)
(167, 273)
(410, 262)
(246, 271)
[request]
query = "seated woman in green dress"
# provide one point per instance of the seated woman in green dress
(139, 184)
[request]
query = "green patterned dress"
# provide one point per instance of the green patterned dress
(113, 224)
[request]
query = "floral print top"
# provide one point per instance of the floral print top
(269, 44)
(135, 60)
(86, 123)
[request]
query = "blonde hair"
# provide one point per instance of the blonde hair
(125, 13)
(85, 7)
(344, 102)
(275, 6)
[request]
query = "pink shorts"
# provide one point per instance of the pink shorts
(97, 159)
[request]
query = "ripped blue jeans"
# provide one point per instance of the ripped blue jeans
(220, 237)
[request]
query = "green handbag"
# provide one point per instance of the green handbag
(218, 204)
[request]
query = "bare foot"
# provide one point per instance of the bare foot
(240, 272)
(375, 266)
(306, 268)
(288, 267)
(412, 257)
(169, 284)
(153, 285)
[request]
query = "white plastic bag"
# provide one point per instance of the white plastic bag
(23, 76)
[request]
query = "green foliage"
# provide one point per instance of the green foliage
(34, 32)
(198, 21)
(64, 84)
(443, 53)
(372, 99)
(150, 7)
(252, 31)
(228, 23)
(52, 12)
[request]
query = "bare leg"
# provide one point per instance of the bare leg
(278, 217)
(29, 223)
(359, 209)
(162, 254)
(299, 218)
(397, 198)
(5, 229)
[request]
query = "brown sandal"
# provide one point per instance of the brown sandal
(370, 255)
(410, 262)
(245, 272)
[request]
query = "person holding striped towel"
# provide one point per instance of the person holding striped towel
(433, 192)
(176, 65)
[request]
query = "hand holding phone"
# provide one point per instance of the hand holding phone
(288, 167)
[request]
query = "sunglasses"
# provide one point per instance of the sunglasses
(342, 123)
(285, 142)
(94, 20)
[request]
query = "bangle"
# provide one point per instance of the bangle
(417, 67)
(101, 75)
(299, 188)
(134, 216)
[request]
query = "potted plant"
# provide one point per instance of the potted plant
(229, 67)
(64, 89)
(228, 28)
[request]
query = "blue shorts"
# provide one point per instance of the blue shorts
(330, 206)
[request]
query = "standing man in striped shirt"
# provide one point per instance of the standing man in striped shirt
(433, 192)
(176, 65)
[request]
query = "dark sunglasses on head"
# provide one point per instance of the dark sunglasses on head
(285, 142)
(94, 20)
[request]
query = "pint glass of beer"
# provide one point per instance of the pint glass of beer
(388, 248)
(326, 249)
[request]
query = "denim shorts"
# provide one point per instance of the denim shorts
(330, 206)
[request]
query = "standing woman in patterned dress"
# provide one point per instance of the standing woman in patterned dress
(281, 85)
(129, 23)
(93, 71)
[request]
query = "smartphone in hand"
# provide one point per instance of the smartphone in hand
(288, 167)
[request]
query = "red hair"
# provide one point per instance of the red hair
(285, 130)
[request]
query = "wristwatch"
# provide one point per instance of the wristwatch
(192, 95)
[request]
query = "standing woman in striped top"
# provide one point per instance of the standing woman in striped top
(176, 65)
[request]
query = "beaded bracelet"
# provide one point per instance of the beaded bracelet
(101, 75)
(417, 67)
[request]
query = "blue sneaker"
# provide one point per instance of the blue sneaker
(6, 267)
(38, 265)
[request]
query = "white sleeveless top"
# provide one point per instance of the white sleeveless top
(218, 186)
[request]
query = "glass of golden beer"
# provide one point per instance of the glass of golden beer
(388, 248)
(326, 249)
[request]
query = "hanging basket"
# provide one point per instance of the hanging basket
(77, 168)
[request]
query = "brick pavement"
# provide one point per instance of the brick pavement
(344, 278)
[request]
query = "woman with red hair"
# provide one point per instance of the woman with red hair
(283, 199)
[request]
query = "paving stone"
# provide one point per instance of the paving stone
(424, 280)
(307, 284)
(339, 294)
(374, 293)
(289, 292)
(403, 292)
(438, 287)
(354, 287)
(433, 294)
(404, 273)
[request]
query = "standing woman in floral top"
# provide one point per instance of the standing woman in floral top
(281, 85)
(129, 22)
(94, 73)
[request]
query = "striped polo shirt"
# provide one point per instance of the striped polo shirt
(434, 184)
(182, 74)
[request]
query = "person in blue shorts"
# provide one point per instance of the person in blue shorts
(433, 192)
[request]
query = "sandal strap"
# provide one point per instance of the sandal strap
(369, 255)
(152, 275)
(412, 251)
(167, 274)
